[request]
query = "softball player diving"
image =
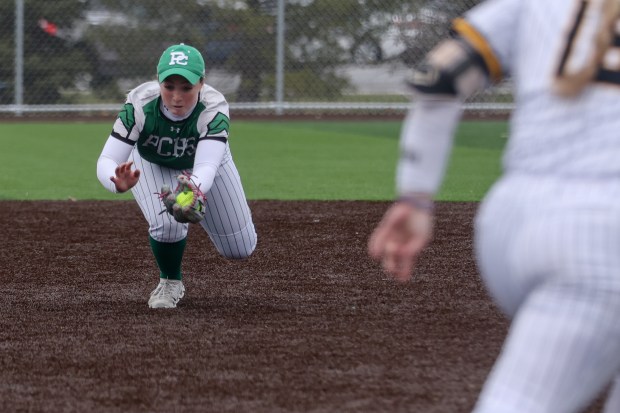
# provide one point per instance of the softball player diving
(178, 126)
(547, 235)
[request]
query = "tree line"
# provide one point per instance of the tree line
(90, 45)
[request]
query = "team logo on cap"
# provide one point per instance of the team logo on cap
(178, 58)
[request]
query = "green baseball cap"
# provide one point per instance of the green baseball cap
(183, 60)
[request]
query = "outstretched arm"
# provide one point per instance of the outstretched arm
(451, 72)
(209, 155)
(113, 169)
(407, 226)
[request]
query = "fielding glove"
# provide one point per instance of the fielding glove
(186, 203)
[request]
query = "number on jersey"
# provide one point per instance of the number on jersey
(592, 51)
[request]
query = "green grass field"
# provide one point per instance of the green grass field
(288, 160)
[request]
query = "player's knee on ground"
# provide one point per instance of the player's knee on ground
(236, 246)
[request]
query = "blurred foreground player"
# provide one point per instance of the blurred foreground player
(547, 235)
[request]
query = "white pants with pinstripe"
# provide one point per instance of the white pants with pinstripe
(549, 253)
(228, 220)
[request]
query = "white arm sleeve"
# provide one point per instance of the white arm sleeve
(113, 154)
(209, 155)
(425, 143)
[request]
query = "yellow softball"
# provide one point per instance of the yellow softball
(185, 198)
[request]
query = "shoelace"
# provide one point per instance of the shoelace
(158, 289)
(171, 289)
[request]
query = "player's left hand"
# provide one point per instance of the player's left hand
(186, 203)
(400, 237)
(125, 178)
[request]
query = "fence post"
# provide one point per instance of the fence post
(280, 58)
(19, 56)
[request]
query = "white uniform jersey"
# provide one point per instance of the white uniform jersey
(163, 148)
(535, 42)
(547, 236)
(167, 142)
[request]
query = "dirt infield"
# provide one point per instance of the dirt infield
(307, 324)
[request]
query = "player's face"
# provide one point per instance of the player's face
(179, 95)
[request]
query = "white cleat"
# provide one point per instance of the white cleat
(167, 294)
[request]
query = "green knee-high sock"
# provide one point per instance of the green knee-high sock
(168, 256)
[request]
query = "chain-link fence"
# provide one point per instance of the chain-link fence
(268, 57)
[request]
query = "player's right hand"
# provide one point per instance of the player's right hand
(399, 239)
(125, 178)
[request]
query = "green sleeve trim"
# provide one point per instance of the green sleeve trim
(219, 124)
(127, 116)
